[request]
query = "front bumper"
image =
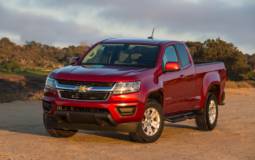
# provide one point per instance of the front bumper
(88, 121)
(111, 119)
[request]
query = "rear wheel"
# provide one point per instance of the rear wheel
(49, 126)
(207, 118)
(152, 124)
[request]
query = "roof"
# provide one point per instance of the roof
(138, 41)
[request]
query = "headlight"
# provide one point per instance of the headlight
(126, 87)
(50, 83)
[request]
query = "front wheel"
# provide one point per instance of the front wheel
(49, 126)
(207, 118)
(152, 124)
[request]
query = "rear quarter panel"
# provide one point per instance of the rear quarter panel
(209, 75)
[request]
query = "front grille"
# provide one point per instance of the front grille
(81, 109)
(90, 95)
(88, 84)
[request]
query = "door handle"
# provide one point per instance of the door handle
(182, 76)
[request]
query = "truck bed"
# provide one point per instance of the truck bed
(208, 67)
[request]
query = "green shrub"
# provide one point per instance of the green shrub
(251, 75)
(10, 67)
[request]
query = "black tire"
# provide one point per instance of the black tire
(140, 136)
(202, 118)
(49, 122)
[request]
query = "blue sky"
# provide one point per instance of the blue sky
(66, 22)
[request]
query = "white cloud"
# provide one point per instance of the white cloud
(13, 37)
(65, 21)
(45, 29)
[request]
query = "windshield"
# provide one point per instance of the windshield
(122, 54)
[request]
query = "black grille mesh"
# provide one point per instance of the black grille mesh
(82, 109)
(84, 95)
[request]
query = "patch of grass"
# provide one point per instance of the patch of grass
(26, 72)
(34, 73)
(10, 66)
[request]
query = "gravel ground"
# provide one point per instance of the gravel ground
(22, 136)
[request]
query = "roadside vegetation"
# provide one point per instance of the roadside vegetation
(23, 68)
(239, 66)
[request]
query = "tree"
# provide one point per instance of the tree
(34, 55)
(218, 50)
(251, 61)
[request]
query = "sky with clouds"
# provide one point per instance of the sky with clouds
(70, 22)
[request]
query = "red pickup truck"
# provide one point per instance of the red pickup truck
(133, 85)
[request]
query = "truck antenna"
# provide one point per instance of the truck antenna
(152, 34)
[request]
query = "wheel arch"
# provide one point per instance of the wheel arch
(215, 89)
(156, 95)
(211, 84)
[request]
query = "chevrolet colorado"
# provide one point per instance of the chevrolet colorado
(133, 85)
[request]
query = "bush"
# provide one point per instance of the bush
(10, 67)
(213, 50)
(251, 75)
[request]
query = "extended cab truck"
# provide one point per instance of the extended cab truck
(133, 85)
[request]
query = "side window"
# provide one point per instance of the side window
(184, 56)
(170, 55)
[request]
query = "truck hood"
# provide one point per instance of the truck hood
(100, 73)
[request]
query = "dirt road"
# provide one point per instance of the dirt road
(22, 136)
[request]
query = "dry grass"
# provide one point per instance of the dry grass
(240, 84)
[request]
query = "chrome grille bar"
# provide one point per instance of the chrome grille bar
(76, 87)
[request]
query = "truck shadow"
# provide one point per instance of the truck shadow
(38, 129)
(176, 125)
(108, 134)
(26, 118)
(125, 136)
(24, 128)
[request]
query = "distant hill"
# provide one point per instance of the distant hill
(34, 55)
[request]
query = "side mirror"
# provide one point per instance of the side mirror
(74, 60)
(171, 67)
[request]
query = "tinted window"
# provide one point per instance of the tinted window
(184, 57)
(170, 55)
(122, 54)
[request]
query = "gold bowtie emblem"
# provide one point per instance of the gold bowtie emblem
(83, 89)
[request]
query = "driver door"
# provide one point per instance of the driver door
(173, 89)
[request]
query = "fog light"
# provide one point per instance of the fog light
(127, 110)
(59, 108)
